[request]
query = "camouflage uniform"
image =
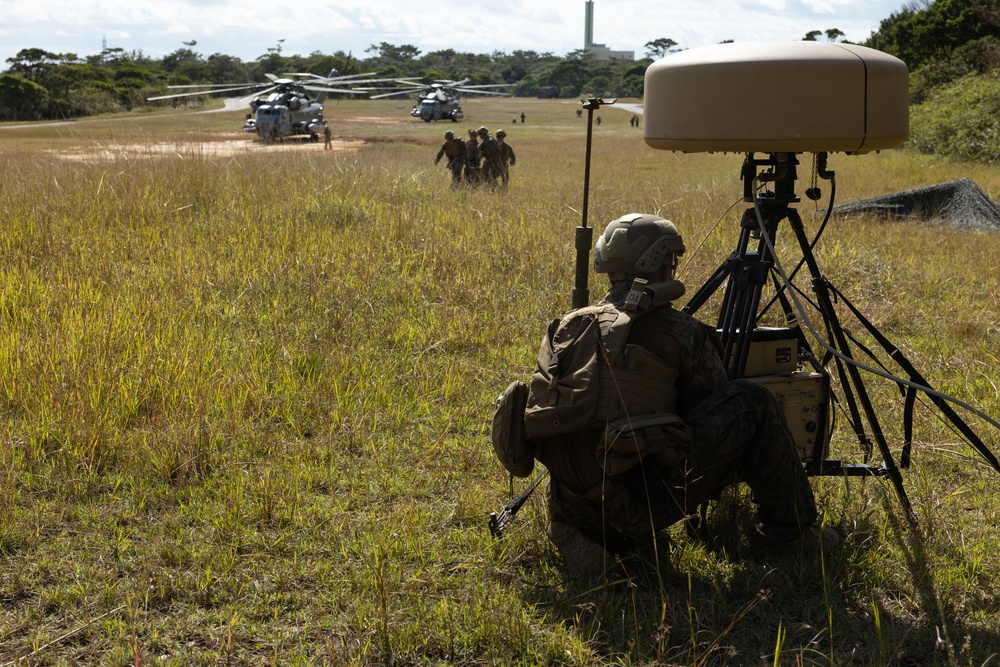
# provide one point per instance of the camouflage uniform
(454, 150)
(738, 434)
(490, 150)
(472, 157)
(507, 159)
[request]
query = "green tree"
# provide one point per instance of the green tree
(21, 98)
(34, 64)
(831, 34)
(988, 10)
(221, 68)
(390, 54)
(634, 79)
(185, 62)
(658, 48)
(572, 72)
(919, 36)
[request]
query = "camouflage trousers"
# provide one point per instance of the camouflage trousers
(739, 435)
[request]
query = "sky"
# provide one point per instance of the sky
(248, 29)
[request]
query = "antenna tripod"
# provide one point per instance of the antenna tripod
(745, 273)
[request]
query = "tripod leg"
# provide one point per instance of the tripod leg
(850, 377)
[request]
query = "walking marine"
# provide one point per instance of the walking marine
(481, 159)
(472, 158)
(490, 151)
(507, 158)
(631, 411)
(454, 149)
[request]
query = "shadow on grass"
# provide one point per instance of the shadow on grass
(714, 602)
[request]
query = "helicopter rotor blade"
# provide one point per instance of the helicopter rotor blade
(252, 96)
(332, 90)
(219, 85)
(199, 92)
(481, 92)
(485, 85)
(396, 92)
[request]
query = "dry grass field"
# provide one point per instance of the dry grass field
(245, 395)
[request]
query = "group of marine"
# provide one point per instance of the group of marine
(480, 160)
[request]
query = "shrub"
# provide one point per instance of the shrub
(960, 120)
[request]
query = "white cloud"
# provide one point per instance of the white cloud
(242, 29)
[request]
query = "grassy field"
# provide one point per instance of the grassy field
(245, 395)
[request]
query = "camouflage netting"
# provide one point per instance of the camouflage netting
(960, 204)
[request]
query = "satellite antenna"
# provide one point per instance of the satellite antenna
(781, 99)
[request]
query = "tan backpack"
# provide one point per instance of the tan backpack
(580, 382)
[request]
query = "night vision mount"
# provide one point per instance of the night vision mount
(781, 99)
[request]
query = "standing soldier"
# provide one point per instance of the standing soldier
(472, 157)
(490, 150)
(507, 158)
(454, 150)
(327, 138)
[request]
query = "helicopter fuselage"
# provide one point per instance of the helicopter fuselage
(430, 108)
(286, 114)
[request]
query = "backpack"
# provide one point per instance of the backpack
(572, 388)
(581, 381)
(509, 443)
(563, 395)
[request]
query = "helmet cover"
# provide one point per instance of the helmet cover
(636, 243)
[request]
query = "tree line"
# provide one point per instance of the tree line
(39, 85)
(940, 41)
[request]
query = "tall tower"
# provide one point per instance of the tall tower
(588, 24)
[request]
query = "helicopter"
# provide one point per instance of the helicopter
(440, 100)
(283, 107)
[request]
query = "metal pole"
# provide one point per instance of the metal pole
(585, 234)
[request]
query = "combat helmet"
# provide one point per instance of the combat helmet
(636, 243)
(449, 135)
(482, 131)
(501, 133)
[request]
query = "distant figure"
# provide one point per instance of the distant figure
(454, 150)
(514, 121)
(507, 159)
(579, 113)
(598, 120)
(327, 137)
(472, 157)
(631, 121)
(636, 119)
(522, 118)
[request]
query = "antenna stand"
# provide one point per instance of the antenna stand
(585, 234)
(747, 270)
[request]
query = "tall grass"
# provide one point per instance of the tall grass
(244, 404)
